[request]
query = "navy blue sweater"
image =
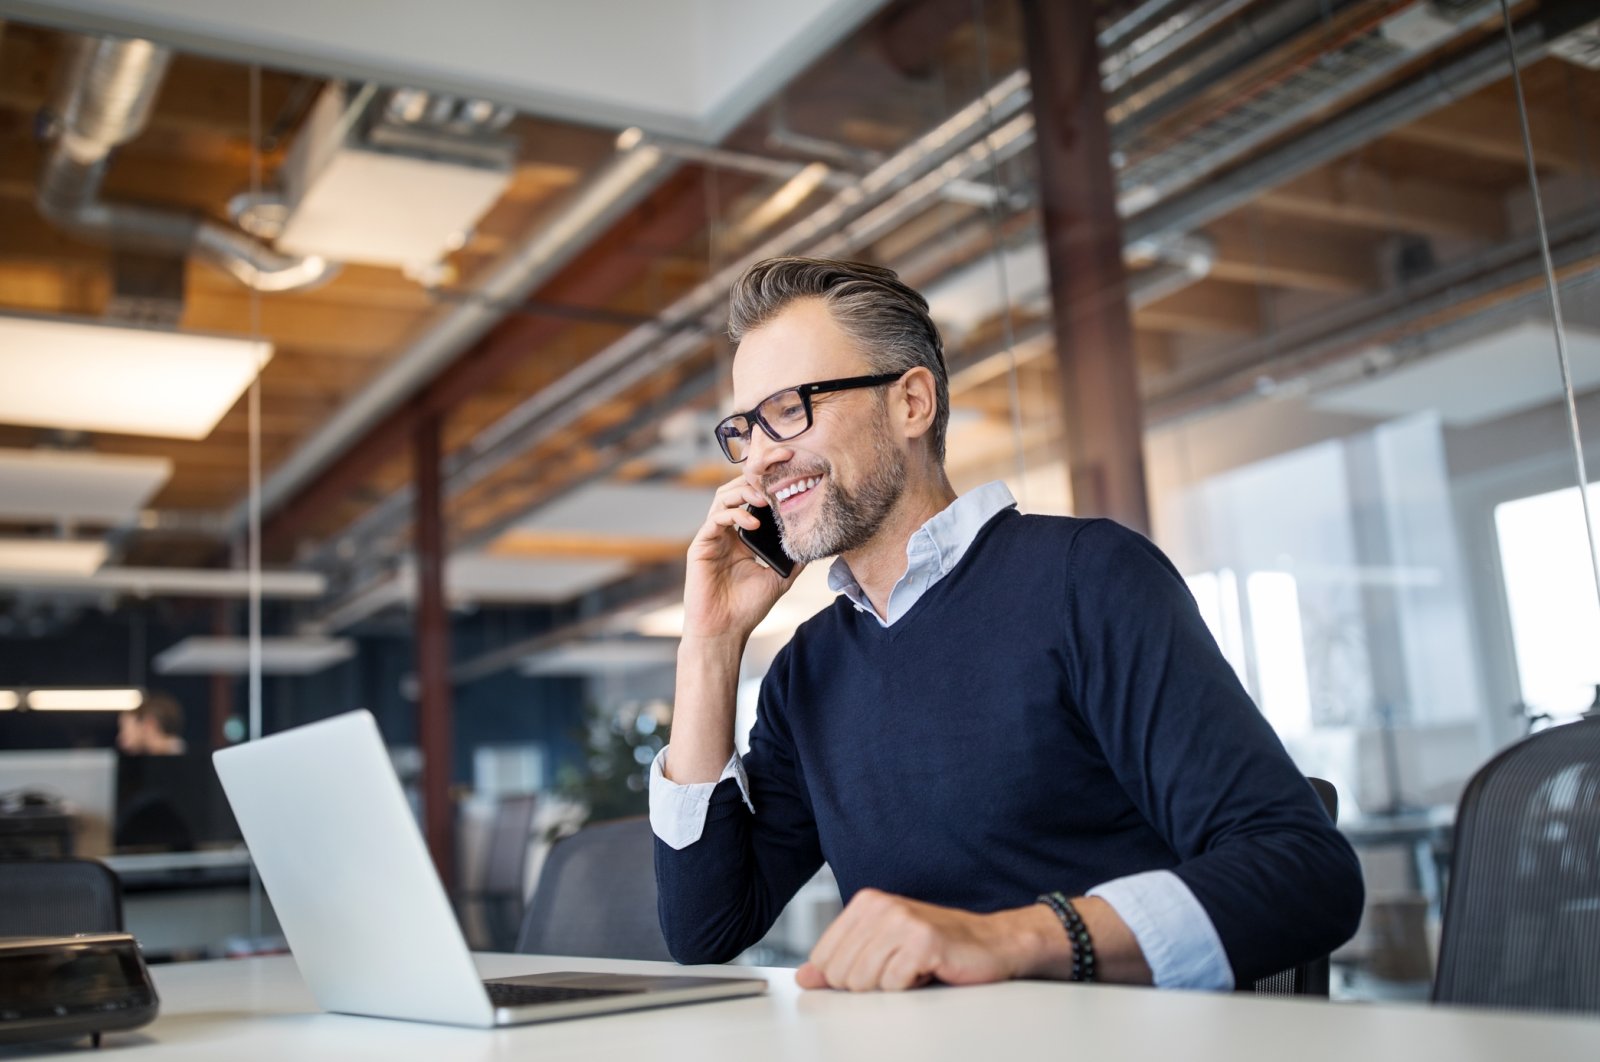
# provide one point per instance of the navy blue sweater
(1052, 714)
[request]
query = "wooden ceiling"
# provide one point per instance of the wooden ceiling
(1316, 241)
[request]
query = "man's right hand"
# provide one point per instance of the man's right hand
(727, 591)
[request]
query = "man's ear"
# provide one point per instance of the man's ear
(919, 402)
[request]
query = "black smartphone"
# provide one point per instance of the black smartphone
(765, 543)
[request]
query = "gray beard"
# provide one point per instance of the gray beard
(845, 519)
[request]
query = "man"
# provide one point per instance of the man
(1012, 737)
(155, 728)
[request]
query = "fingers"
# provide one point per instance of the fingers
(876, 943)
(808, 976)
(737, 492)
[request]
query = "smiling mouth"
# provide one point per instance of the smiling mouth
(795, 491)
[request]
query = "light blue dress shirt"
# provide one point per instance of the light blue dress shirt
(1173, 930)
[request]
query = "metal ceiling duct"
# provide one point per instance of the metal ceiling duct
(105, 99)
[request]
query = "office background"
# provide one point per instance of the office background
(436, 295)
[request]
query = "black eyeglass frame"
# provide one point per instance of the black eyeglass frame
(806, 391)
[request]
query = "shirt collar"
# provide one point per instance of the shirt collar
(938, 545)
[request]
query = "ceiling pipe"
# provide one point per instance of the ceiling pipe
(1455, 79)
(104, 101)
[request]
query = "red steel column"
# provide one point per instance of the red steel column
(433, 651)
(1083, 243)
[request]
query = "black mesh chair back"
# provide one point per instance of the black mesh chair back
(1311, 978)
(1522, 917)
(504, 887)
(58, 897)
(597, 896)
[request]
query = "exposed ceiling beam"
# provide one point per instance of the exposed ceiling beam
(551, 544)
(1209, 308)
(1487, 128)
(1259, 251)
(1359, 196)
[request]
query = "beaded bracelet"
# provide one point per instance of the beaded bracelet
(1083, 966)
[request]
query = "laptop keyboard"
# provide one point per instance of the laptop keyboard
(511, 995)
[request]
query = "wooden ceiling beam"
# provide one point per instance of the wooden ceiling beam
(325, 328)
(1269, 251)
(1358, 196)
(559, 546)
(1487, 128)
(1211, 307)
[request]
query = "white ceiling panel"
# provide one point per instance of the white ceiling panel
(689, 67)
(484, 578)
(231, 656)
(89, 487)
(90, 376)
(1484, 379)
(603, 658)
(625, 510)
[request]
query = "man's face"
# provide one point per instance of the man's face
(850, 452)
(131, 735)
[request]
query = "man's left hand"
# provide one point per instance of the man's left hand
(882, 941)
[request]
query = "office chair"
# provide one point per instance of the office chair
(1522, 917)
(1309, 978)
(597, 896)
(503, 890)
(58, 897)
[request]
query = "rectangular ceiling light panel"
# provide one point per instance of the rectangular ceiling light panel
(108, 378)
(1485, 378)
(231, 656)
(96, 700)
(51, 556)
(76, 485)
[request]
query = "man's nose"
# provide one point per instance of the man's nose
(764, 455)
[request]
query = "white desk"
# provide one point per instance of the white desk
(259, 1009)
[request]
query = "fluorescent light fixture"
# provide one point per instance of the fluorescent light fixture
(171, 582)
(9, 700)
(602, 658)
(87, 376)
(84, 700)
(231, 656)
(51, 556)
(78, 485)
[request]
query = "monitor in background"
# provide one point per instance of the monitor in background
(171, 804)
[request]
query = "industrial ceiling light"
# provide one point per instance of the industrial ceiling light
(51, 556)
(201, 655)
(95, 700)
(10, 700)
(88, 376)
(78, 485)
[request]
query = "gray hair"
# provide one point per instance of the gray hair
(888, 321)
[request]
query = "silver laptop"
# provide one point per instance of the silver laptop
(365, 915)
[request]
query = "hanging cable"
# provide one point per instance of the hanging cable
(254, 530)
(996, 240)
(1555, 296)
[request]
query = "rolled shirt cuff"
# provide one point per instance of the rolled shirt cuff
(678, 812)
(1179, 942)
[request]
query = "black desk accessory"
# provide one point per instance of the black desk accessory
(61, 988)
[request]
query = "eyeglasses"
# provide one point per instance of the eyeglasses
(786, 414)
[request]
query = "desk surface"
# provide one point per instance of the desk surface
(260, 1009)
